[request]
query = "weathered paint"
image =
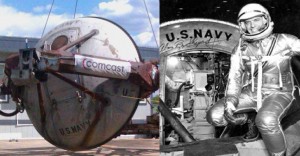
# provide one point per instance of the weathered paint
(66, 116)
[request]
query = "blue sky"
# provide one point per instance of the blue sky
(26, 18)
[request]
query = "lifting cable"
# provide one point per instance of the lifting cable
(154, 39)
(47, 18)
(75, 9)
(150, 23)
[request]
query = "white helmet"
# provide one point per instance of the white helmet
(253, 10)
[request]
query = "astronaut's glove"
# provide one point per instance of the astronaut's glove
(228, 111)
(188, 85)
(234, 119)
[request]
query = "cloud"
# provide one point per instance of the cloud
(116, 7)
(46, 8)
(131, 15)
(144, 37)
(135, 20)
(18, 23)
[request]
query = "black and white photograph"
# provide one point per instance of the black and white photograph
(229, 77)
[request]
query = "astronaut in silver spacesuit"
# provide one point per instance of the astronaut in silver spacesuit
(260, 80)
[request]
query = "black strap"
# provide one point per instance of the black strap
(268, 54)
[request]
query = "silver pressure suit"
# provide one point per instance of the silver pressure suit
(261, 79)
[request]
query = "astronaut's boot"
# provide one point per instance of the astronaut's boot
(253, 132)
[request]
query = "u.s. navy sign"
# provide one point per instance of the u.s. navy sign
(198, 34)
